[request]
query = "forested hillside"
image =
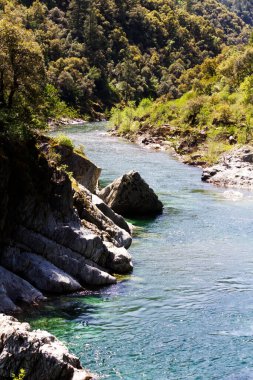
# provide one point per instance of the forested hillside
(243, 8)
(214, 113)
(103, 52)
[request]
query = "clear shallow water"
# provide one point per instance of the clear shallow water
(186, 312)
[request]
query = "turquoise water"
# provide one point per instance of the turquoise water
(186, 312)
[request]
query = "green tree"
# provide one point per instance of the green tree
(22, 76)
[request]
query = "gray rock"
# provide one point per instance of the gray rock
(6, 304)
(119, 260)
(38, 271)
(235, 169)
(87, 210)
(107, 211)
(71, 262)
(131, 196)
(83, 170)
(18, 290)
(39, 353)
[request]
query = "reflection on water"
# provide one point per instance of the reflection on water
(186, 312)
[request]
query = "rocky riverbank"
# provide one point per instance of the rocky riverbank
(57, 235)
(183, 147)
(233, 169)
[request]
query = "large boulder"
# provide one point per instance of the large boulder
(235, 169)
(131, 196)
(39, 353)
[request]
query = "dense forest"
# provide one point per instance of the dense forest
(243, 8)
(84, 56)
(214, 112)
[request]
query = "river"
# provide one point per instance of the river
(186, 312)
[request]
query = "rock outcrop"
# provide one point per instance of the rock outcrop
(235, 169)
(84, 171)
(107, 222)
(39, 353)
(56, 237)
(131, 196)
(53, 236)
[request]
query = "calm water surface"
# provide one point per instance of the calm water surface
(186, 312)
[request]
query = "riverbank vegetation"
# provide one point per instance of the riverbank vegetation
(214, 113)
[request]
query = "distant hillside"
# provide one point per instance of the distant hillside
(218, 15)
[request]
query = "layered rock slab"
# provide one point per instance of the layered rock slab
(15, 290)
(38, 271)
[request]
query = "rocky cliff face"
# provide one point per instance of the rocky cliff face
(54, 238)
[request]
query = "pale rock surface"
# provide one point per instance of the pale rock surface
(88, 210)
(235, 169)
(119, 260)
(84, 270)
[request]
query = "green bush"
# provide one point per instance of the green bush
(64, 140)
(20, 376)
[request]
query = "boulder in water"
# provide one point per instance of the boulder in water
(131, 196)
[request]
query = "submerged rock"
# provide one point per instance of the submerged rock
(131, 196)
(39, 353)
(235, 169)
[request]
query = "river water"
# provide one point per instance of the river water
(186, 312)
